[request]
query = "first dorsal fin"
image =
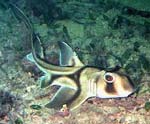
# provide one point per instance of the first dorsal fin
(67, 56)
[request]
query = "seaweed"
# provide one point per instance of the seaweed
(18, 121)
(136, 4)
(45, 8)
(136, 11)
(7, 101)
(147, 106)
(36, 107)
(4, 4)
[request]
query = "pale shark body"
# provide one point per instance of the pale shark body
(77, 82)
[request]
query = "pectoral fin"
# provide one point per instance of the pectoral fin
(66, 93)
(65, 82)
(62, 96)
(70, 93)
(44, 81)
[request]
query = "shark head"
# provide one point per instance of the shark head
(113, 85)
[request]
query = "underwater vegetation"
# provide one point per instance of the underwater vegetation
(135, 11)
(136, 4)
(9, 106)
(47, 9)
(104, 33)
(6, 103)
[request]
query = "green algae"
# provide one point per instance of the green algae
(19, 121)
(137, 4)
(147, 106)
(75, 30)
(42, 30)
(137, 19)
(36, 107)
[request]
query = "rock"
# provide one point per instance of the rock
(136, 119)
(110, 110)
(75, 30)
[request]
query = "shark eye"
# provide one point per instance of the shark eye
(109, 77)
